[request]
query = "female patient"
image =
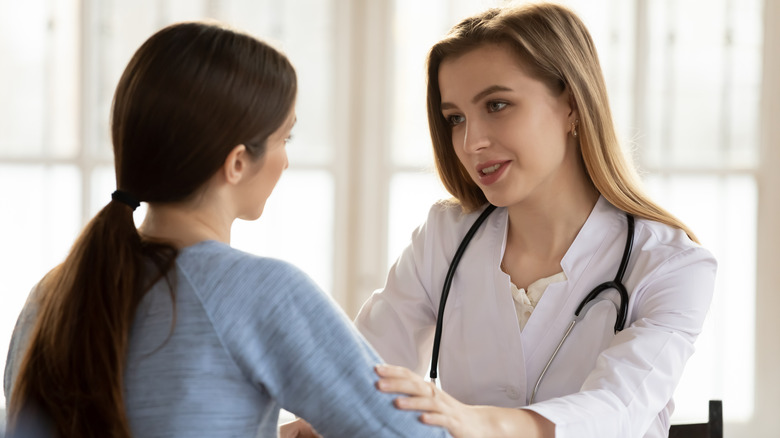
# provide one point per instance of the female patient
(165, 330)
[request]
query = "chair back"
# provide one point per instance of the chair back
(711, 429)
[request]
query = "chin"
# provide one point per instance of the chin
(507, 201)
(500, 200)
(252, 216)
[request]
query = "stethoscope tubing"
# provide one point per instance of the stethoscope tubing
(539, 380)
(445, 292)
(617, 284)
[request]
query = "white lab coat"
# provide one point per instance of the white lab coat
(600, 384)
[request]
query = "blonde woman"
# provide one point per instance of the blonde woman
(519, 118)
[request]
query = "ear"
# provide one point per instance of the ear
(236, 164)
(573, 111)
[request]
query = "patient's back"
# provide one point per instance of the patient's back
(250, 335)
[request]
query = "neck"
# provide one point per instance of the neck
(185, 224)
(544, 227)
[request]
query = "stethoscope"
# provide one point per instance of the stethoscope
(579, 314)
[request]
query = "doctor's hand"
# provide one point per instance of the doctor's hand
(461, 420)
(297, 429)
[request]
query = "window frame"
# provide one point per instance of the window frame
(362, 37)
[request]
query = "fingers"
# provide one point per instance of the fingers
(425, 397)
(436, 419)
(386, 370)
(426, 404)
(416, 387)
(438, 408)
(403, 381)
(297, 429)
(288, 430)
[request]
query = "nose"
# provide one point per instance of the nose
(476, 136)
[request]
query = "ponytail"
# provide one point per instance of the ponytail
(189, 95)
(74, 366)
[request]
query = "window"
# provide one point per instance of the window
(702, 86)
(685, 82)
(56, 162)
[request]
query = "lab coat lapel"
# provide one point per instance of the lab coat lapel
(555, 310)
(507, 316)
(479, 317)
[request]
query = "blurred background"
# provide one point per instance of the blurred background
(694, 91)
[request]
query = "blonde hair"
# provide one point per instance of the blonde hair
(556, 48)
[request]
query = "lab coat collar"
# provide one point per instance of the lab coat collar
(601, 227)
(556, 306)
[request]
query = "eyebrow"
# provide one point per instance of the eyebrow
(481, 95)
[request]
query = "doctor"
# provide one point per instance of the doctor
(519, 118)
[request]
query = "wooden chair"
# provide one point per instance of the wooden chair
(711, 429)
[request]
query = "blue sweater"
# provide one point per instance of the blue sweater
(251, 335)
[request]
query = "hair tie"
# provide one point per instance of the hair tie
(125, 198)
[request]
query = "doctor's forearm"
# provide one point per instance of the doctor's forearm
(517, 422)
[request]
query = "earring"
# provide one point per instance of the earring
(574, 128)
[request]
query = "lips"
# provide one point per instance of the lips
(491, 171)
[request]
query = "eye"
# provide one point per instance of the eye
(455, 119)
(495, 106)
(288, 139)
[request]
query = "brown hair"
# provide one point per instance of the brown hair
(190, 94)
(556, 48)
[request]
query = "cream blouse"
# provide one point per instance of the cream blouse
(525, 302)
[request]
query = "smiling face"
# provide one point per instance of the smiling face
(509, 130)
